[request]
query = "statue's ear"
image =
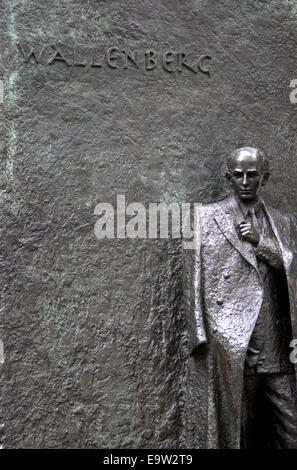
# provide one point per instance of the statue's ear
(265, 177)
(228, 175)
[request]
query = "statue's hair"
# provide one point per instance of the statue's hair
(260, 155)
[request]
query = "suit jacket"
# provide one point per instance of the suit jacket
(223, 292)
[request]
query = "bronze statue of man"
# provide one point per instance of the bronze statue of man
(241, 305)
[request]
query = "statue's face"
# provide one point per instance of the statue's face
(247, 176)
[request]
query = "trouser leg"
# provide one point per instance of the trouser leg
(281, 406)
(269, 412)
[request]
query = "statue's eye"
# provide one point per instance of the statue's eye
(237, 174)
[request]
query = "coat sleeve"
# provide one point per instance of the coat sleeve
(193, 295)
(268, 250)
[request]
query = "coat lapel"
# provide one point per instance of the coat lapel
(287, 255)
(227, 218)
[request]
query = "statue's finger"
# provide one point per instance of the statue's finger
(244, 225)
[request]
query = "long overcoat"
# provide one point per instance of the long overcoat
(223, 295)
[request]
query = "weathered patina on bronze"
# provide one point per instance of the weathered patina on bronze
(94, 352)
(240, 290)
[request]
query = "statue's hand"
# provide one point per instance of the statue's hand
(248, 233)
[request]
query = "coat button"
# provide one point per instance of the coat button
(226, 276)
(220, 302)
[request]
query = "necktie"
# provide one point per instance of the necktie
(255, 221)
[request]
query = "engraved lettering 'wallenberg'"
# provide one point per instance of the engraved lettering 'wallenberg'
(115, 58)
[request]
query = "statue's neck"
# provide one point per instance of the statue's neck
(246, 205)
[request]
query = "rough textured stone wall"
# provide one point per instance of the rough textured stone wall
(93, 331)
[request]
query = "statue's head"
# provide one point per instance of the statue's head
(248, 171)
